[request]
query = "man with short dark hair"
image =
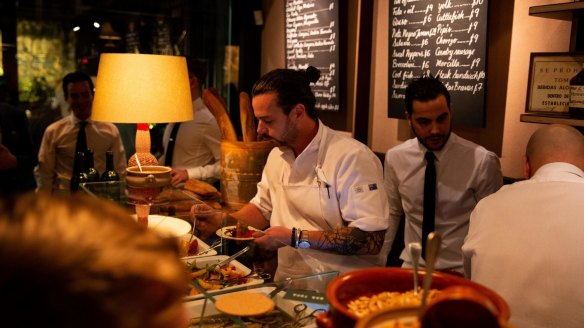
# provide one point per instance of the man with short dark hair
(58, 147)
(195, 144)
(463, 173)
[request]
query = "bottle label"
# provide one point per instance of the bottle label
(576, 96)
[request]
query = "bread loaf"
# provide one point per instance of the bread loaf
(200, 187)
(248, 128)
(217, 106)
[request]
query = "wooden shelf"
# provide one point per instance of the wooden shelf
(546, 119)
(558, 11)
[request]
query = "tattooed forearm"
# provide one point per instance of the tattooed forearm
(351, 241)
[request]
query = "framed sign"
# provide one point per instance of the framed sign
(548, 89)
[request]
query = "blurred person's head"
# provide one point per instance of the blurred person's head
(83, 262)
(283, 102)
(428, 112)
(78, 90)
(553, 143)
(197, 75)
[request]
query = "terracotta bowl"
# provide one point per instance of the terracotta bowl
(455, 307)
(368, 282)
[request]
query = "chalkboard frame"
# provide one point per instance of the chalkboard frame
(469, 105)
(564, 65)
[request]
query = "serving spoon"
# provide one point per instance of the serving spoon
(432, 249)
(415, 252)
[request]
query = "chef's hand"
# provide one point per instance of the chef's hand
(206, 219)
(177, 176)
(273, 238)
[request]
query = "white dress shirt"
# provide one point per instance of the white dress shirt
(197, 148)
(525, 243)
(465, 173)
(335, 182)
(57, 151)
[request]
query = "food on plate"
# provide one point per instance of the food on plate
(239, 232)
(189, 248)
(212, 278)
(365, 305)
(242, 231)
(244, 304)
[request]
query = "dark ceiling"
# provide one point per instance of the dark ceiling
(71, 9)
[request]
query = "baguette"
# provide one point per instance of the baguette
(216, 105)
(248, 128)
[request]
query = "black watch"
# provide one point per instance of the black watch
(303, 241)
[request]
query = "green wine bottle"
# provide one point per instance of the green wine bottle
(110, 173)
(92, 173)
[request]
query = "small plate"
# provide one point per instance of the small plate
(203, 247)
(223, 233)
(202, 308)
(167, 226)
(210, 260)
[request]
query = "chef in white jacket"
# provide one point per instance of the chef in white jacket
(321, 196)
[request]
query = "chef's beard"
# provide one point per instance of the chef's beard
(286, 139)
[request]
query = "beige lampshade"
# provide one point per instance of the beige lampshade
(140, 88)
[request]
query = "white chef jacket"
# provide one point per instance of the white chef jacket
(525, 243)
(335, 182)
(57, 151)
(197, 148)
(465, 173)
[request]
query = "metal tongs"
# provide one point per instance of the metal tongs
(229, 259)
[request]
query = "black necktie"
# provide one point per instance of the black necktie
(81, 145)
(429, 199)
(170, 146)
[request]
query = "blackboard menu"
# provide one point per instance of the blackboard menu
(446, 38)
(312, 39)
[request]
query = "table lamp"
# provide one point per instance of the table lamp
(141, 88)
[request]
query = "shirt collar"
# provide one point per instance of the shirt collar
(75, 120)
(440, 153)
(551, 168)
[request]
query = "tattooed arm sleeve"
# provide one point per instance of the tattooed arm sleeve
(348, 241)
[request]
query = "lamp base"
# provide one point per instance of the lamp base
(146, 159)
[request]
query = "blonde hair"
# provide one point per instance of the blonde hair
(76, 261)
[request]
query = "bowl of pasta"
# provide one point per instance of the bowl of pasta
(358, 294)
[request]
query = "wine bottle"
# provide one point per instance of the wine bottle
(92, 173)
(109, 174)
(79, 171)
(576, 104)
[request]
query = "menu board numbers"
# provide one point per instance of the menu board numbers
(311, 40)
(444, 38)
